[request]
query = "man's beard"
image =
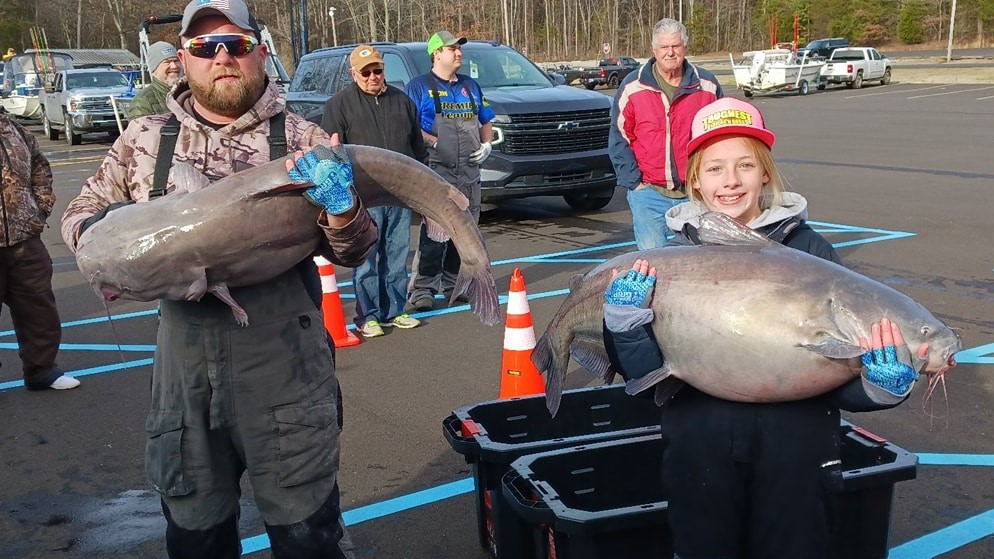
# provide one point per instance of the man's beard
(228, 98)
(171, 78)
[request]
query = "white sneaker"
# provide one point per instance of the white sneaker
(64, 383)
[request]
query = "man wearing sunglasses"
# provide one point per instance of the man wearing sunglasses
(376, 114)
(228, 399)
(455, 123)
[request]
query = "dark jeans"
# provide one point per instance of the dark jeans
(26, 288)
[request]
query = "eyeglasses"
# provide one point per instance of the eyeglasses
(207, 46)
(366, 73)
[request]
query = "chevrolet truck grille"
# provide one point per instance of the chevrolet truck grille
(565, 132)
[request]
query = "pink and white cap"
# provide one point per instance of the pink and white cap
(725, 116)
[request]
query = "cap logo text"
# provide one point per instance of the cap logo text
(727, 117)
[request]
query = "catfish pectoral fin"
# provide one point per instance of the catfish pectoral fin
(835, 349)
(221, 292)
(648, 380)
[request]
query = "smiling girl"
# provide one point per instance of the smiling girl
(746, 480)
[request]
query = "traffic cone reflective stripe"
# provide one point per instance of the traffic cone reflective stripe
(519, 376)
(331, 306)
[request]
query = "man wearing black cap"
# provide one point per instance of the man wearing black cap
(455, 122)
(230, 399)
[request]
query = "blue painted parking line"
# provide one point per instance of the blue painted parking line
(983, 355)
(931, 459)
(92, 347)
(381, 509)
(87, 372)
(947, 539)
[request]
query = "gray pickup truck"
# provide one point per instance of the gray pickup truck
(79, 101)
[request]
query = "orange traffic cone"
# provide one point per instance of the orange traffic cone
(519, 377)
(331, 306)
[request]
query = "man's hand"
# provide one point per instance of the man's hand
(887, 361)
(634, 288)
(480, 155)
(330, 171)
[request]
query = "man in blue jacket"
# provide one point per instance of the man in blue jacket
(455, 123)
(651, 118)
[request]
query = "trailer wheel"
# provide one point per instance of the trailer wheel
(591, 86)
(747, 92)
(803, 87)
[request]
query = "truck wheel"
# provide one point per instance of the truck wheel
(822, 85)
(50, 132)
(803, 87)
(886, 79)
(858, 82)
(747, 92)
(613, 81)
(587, 202)
(72, 138)
(591, 86)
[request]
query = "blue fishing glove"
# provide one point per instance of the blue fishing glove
(330, 171)
(888, 371)
(631, 289)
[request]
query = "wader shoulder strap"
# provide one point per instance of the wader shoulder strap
(167, 146)
(438, 102)
(434, 93)
(277, 136)
(164, 158)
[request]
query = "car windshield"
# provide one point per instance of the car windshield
(816, 44)
(96, 79)
(494, 67)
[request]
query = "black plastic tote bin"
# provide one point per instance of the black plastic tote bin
(573, 504)
(491, 435)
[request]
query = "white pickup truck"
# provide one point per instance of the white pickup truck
(79, 101)
(853, 66)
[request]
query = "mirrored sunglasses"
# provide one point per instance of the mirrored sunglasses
(366, 73)
(207, 46)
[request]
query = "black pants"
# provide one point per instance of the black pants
(26, 288)
(750, 481)
(438, 266)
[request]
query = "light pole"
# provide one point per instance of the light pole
(334, 30)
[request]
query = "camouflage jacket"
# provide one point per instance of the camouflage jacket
(151, 100)
(25, 183)
(127, 171)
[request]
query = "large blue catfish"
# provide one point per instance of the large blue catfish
(743, 318)
(255, 224)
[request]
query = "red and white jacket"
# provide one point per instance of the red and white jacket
(649, 133)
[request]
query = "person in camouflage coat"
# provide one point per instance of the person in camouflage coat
(25, 265)
(228, 399)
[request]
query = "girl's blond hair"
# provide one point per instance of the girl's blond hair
(772, 190)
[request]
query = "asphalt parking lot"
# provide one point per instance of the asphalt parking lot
(898, 178)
